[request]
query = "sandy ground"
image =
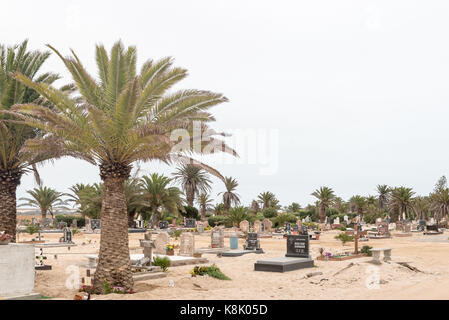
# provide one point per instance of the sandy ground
(430, 254)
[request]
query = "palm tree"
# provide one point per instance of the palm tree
(340, 205)
(121, 118)
(237, 215)
(268, 200)
(205, 203)
(359, 203)
(383, 191)
(218, 209)
(88, 198)
(134, 199)
(294, 207)
(158, 196)
(13, 162)
(229, 196)
(420, 207)
(325, 195)
(46, 199)
(440, 203)
(401, 201)
(193, 180)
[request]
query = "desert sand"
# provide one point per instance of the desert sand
(429, 254)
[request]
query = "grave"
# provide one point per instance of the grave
(67, 238)
(432, 230)
(257, 226)
(95, 224)
(267, 225)
(17, 272)
(163, 225)
(40, 258)
(217, 237)
(244, 226)
(382, 231)
(160, 242)
(252, 245)
(190, 223)
(200, 227)
(297, 257)
(187, 247)
(287, 227)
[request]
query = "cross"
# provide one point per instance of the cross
(356, 239)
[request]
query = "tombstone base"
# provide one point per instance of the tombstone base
(45, 267)
(283, 264)
(238, 253)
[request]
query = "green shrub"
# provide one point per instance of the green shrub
(163, 262)
(190, 212)
(106, 287)
(221, 220)
(32, 229)
(270, 213)
(80, 222)
(342, 228)
(212, 271)
(176, 233)
(343, 237)
(367, 250)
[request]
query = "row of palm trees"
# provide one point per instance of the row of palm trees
(113, 120)
(396, 202)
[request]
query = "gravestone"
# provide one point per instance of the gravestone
(163, 225)
(187, 247)
(337, 220)
(190, 223)
(308, 219)
(298, 246)
(267, 225)
(296, 228)
(74, 223)
(287, 227)
(95, 224)
(62, 225)
(160, 242)
(257, 226)
(304, 230)
(217, 237)
(67, 238)
(422, 225)
(48, 222)
(252, 242)
(200, 227)
(383, 228)
(244, 226)
(346, 219)
(407, 227)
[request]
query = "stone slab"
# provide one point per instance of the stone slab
(149, 276)
(31, 296)
(238, 253)
(283, 264)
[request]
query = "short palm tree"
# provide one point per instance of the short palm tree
(267, 199)
(87, 198)
(237, 215)
(440, 203)
(134, 198)
(359, 203)
(325, 195)
(205, 203)
(401, 201)
(121, 118)
(194, 180)
(13, 161)
(159, 196)
(421, 206)
(46, 199)
(229, 196)
(383, 195)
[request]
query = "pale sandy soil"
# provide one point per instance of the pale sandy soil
(430, 254)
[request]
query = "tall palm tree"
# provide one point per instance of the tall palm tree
(46, 199)
(13, 161)
(359, 203)
(88, 198)
(193, 180)
(158, 196)
(229, 196)
(420, 207)
(401, 201)
(268, 200)
(325, 195)
(121, 118)
(134, 198)
(205, 203)
(383, 191)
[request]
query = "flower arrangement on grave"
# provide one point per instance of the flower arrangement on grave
(5, 238)
(120, 290)
(170, 249)
(212, 271)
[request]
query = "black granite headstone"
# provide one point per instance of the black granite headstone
(163, 224)
(252, 241)
(190, 223)
(298, 246)
(287, 226)
(95, 224)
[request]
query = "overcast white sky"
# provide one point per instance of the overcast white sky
(356, 90)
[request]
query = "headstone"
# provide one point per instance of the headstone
(200, 227)
(67, 238)
(304, 230)
(163, 225)
(267, 225)
(287, 227)
(190, 223)
(74, 223)
(296, 228)
(383, 228)
(422, 225)
(244, 226)
(307, 219)
(95, 224)
(160, 242)
(257, 226)
(217, 237)
(407, 227)
(252, 241)
(187, 247)
(432, 220)
(48, 222)
(62, 225)
(298, 246)
(346, 219)
(337, 220)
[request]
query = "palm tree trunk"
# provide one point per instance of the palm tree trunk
(130, 220)
(322, 214)
(44, 215)
(8, 211)
(114, 260)
(155, 219)
(203, 213)
(190, 197)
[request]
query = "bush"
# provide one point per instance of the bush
(281, 219)
(270, 213)
(367, 250)
(80, 222)
(343, 237)
(32, 229)
(342, 228)
(190, 212)
(221, 220)
(212, 271)
(163, 262)
(176, 233)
